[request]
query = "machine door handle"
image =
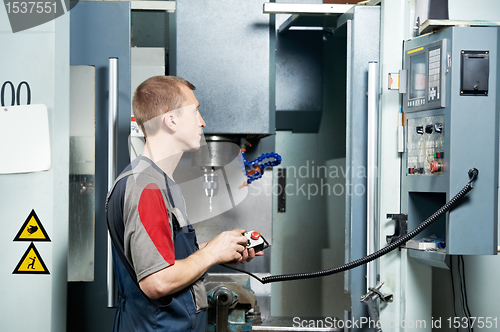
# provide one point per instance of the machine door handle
(112, 125)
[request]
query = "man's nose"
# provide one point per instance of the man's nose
(202, 122)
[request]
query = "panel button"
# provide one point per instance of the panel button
(438, 155)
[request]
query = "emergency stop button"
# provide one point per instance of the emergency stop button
(255, 235)
(435, 166)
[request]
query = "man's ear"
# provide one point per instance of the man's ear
(170, 121)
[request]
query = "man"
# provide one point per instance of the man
(158, 264)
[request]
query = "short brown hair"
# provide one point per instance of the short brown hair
(156, 96)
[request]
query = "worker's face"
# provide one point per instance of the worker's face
(190, 122)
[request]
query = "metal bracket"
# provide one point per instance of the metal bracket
(369, 299)
(403, 81)
(374, 292)
(400, 228)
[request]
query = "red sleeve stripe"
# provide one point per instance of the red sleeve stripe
(154, 217)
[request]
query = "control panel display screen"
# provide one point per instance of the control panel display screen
(425, 76)
(417, 77)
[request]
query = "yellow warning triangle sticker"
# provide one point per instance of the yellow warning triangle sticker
(32, 230)
(31, 263)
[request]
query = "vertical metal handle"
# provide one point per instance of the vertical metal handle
(112, 119)
(372, 172)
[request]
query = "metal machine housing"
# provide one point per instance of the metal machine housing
(448, 137)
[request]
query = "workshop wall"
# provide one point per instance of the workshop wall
(36, 301)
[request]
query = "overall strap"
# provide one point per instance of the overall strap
(173, 212)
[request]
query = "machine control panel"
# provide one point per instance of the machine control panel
(451, 125)
(425, 146)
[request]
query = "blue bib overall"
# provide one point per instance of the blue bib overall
(175, 313)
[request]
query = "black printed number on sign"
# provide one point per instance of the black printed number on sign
(9, 90)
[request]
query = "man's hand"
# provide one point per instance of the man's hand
(247, 256)
(230, 247)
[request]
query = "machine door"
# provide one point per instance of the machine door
(99, 31)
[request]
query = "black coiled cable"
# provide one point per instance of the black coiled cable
(473, 172)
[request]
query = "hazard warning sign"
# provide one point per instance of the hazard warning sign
(32, 230)
(31, 263)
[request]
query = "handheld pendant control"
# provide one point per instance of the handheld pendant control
(255, 240)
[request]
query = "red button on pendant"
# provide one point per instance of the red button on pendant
(255, 235)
